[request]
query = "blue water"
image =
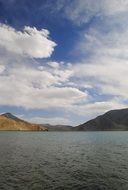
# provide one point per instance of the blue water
(64, 160)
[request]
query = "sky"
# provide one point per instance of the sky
(63, 61)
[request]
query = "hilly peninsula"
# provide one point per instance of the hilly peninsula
(9, 122)
(114, 120)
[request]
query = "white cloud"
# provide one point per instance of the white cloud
(2, 68)
(49, 120)
(103, 70)
(30, 42)
(90, 110)
(27, 86)
(53, 64)
(81, 12)
(26, 83)
(107, 67)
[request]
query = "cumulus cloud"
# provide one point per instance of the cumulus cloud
(35, 88)
(24, 82)
(30, 42)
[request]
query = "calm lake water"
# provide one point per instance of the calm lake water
(64, 160)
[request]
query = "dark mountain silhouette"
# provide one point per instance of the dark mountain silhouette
(114, 120)
(58, 127)
(9, 122)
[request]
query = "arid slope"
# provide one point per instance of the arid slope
(9, 122)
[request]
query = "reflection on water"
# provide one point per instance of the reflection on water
(64, 160)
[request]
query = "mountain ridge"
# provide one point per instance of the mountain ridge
(9, 122)
(113, 120)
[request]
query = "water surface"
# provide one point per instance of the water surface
(64, 160)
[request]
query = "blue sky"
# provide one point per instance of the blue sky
(63, 61)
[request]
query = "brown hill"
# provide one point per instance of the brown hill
(9, 122)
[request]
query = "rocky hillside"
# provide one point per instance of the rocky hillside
(9, 122)
(114, 120)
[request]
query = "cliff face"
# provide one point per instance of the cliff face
(9, 122)
(114, 120)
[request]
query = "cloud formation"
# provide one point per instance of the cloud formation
(30, 42)
(24, 82)
(81, 12)
(37, 87)
(93, 85)
(106, 68)
(50, 120)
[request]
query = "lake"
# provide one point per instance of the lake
(63, 160)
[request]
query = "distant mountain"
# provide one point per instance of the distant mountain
(9, 122)
(58, 127)
(114, 120)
